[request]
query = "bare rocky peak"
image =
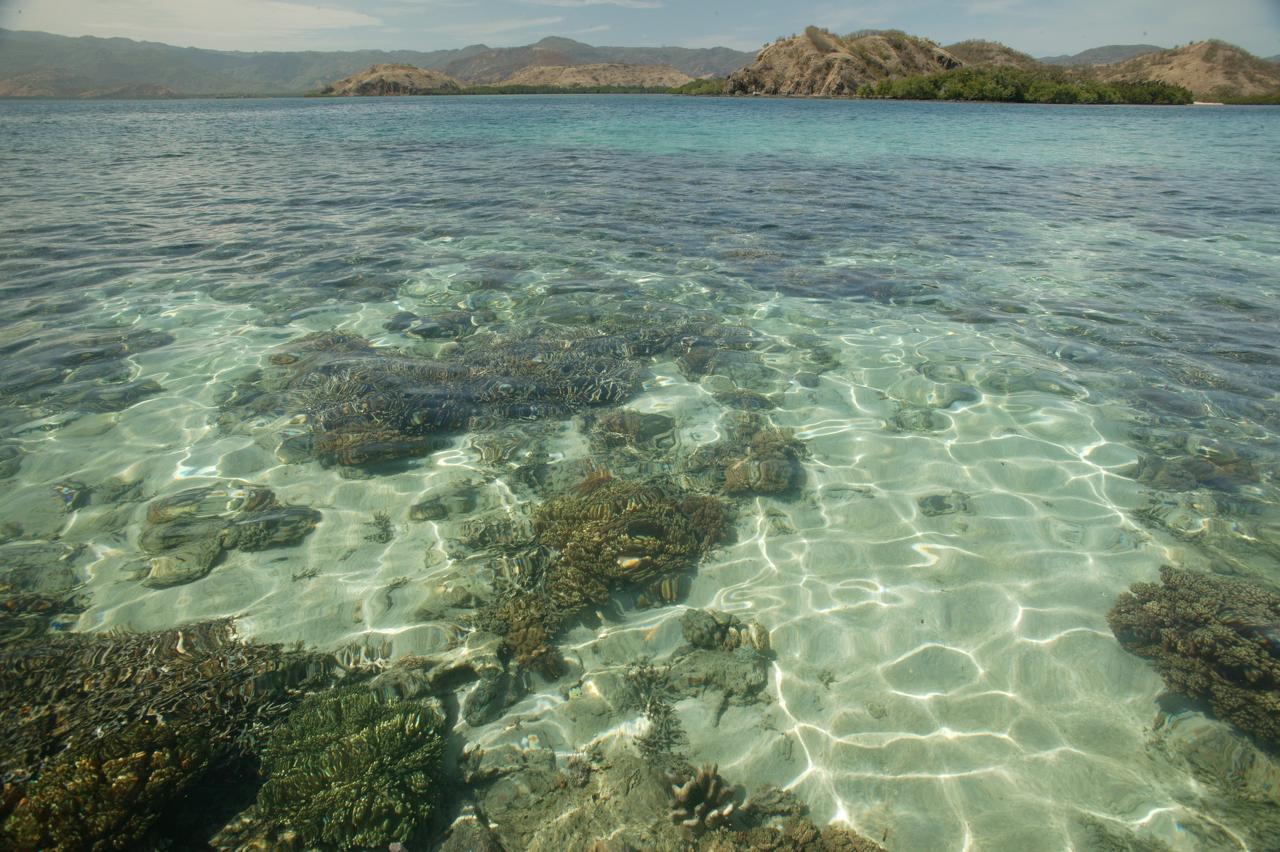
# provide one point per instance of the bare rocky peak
(390, 79)
(598, 75)
(823, 64)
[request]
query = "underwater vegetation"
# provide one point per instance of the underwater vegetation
(754, 457)
(1212, 638)
(349, 769)
(664, 738)
(188, 532)
(99, 733)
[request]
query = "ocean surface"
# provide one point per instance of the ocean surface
(1031, 353)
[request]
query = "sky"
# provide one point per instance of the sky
(1039, 27)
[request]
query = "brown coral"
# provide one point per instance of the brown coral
(1210, 637)
(702, 802)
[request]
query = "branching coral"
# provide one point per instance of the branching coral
(703, 801)
(116, 726)
(1210, 637)
(352, 770)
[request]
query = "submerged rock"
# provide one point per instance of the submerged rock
(753, 458)
(187, 533)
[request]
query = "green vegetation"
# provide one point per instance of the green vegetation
(1018, 85)
(1272, 99)
(708, 86)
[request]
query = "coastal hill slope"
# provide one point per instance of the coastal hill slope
(821, 63)
(592, 76)
(72, 66)
(990, 54)
(1210, 69)
(391, 79)
(1105, 55)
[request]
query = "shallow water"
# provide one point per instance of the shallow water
(1031, 351)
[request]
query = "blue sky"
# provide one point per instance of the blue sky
(1037, 26)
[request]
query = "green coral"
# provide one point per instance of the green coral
(352, 770)
(1210, 637)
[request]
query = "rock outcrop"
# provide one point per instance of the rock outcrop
(1210, 69)
(822, 64)
(592, 76)
(393, 80)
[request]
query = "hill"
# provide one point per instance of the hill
(990, 54)
(597, 76)
(1212, 70)
(393, 80)
(1105, 55)
(821, 63)
(73, 65)
(500, 64)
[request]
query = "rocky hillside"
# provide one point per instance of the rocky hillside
(393, 80)
(1210, 69)
(593, 76)
(1105, 55)
(50, 84)
(990, 54)
(821, 63)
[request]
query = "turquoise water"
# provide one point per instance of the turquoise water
(1031, 353)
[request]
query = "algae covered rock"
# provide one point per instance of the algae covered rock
(350, 769)
(1210, 637)
(754, 457)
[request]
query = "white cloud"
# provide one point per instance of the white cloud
(626, 4)
(244, 24)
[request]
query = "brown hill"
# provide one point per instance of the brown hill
(1210, 69)
(592, 76)
(823, 64)
(991, 54)
(393, 80)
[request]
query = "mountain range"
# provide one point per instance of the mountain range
(41, 64)
(34, 64)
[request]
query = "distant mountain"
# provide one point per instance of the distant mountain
(68, 67)
(597, 76)
(499, 64)
(1212, 70)
(1103, 55)
(821, 63)
(990, 54)
(394, 80)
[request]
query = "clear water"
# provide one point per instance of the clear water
(1047, 314)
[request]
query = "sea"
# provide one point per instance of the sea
(1025, 357)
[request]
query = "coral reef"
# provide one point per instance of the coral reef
(703, 801)
(753, 458)
(713, 630)
(793, 835)
(188, 532)
(352, 770)
(106, 794)
(1212, 638)
(38, 581)
(121, 724)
